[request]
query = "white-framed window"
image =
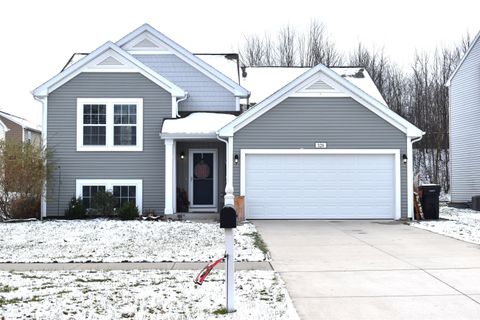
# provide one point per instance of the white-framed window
(124, 190)
(109, 124)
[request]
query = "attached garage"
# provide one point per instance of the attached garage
(321, 184)
(325, 146)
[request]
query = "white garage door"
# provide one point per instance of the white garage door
(319, 186)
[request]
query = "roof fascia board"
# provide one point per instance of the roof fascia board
(189, 58)
(78, 67)
(463, 59)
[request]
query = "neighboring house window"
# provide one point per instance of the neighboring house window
(109, 124)
(123, 190)
(29, 137)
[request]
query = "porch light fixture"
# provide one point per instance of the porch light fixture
(235, 159)
(404, 158)
(182, 155)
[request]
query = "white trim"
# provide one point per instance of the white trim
(155, 52)
(395, 152)
(409, 178)
(214, 205)
(78, 67)
(188, 57)
(109, 102)
(170, 193)
(237, 104)
(109, 183)
(178, 136)
(229, 189)
(449, 81)
(340, 84)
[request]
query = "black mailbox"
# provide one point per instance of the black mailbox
(228, 218)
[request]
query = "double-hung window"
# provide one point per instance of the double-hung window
(109, 124)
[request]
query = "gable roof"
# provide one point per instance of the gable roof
(189, 58)
(477, 37)
(264, 81)
(353, 91)
(24, 123)
(78, 67)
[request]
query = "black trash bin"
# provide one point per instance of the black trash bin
(430, 200)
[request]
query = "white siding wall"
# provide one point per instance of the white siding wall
(465, 129)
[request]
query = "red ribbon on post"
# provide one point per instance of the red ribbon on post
(205, 271)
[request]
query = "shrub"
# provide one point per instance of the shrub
(25, 208)
(24, 169)
(128, 211)
(104, 203)
(75, 209)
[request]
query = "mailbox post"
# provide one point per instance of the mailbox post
(228, 221)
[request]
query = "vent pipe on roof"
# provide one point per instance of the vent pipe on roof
(244, 71)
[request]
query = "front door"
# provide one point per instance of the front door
(203, 179)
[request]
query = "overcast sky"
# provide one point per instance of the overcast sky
(39, 36)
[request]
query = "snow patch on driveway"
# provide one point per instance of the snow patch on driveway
(140, 294)
(102, 240)
(462, 224)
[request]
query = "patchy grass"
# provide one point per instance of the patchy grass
(220, 311)
(100, 240)
(92, 280)
(7, 288)
(261, 295)
(258, 242)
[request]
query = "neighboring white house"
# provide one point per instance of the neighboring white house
(464, 89)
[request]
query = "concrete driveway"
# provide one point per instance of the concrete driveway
(374, 270)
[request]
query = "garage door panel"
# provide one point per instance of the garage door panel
(323, 186)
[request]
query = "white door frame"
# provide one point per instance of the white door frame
(395, 152)
(213, 206)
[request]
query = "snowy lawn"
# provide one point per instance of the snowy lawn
(462, 224)
(140, 294)
(102, 240)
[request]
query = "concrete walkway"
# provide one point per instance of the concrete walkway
(128, 266)
(374, 270)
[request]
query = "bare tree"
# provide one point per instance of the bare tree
(253, 51)
(286, 47)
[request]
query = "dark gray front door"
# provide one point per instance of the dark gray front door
(203, 176)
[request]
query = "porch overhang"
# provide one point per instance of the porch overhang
(198, 125)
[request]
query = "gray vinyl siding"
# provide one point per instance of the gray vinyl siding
(147, 165)
(341, 122)
(204, 93)
(465, 129)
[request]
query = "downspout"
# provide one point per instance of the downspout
(180, 100)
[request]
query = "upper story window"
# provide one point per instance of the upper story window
(109, 124)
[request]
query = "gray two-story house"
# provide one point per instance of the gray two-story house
(155, 124)
(464, 95)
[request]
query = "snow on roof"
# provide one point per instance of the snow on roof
(21, 121)
(264, 81)
(359, 77)
(197, 123)
(225, 63)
